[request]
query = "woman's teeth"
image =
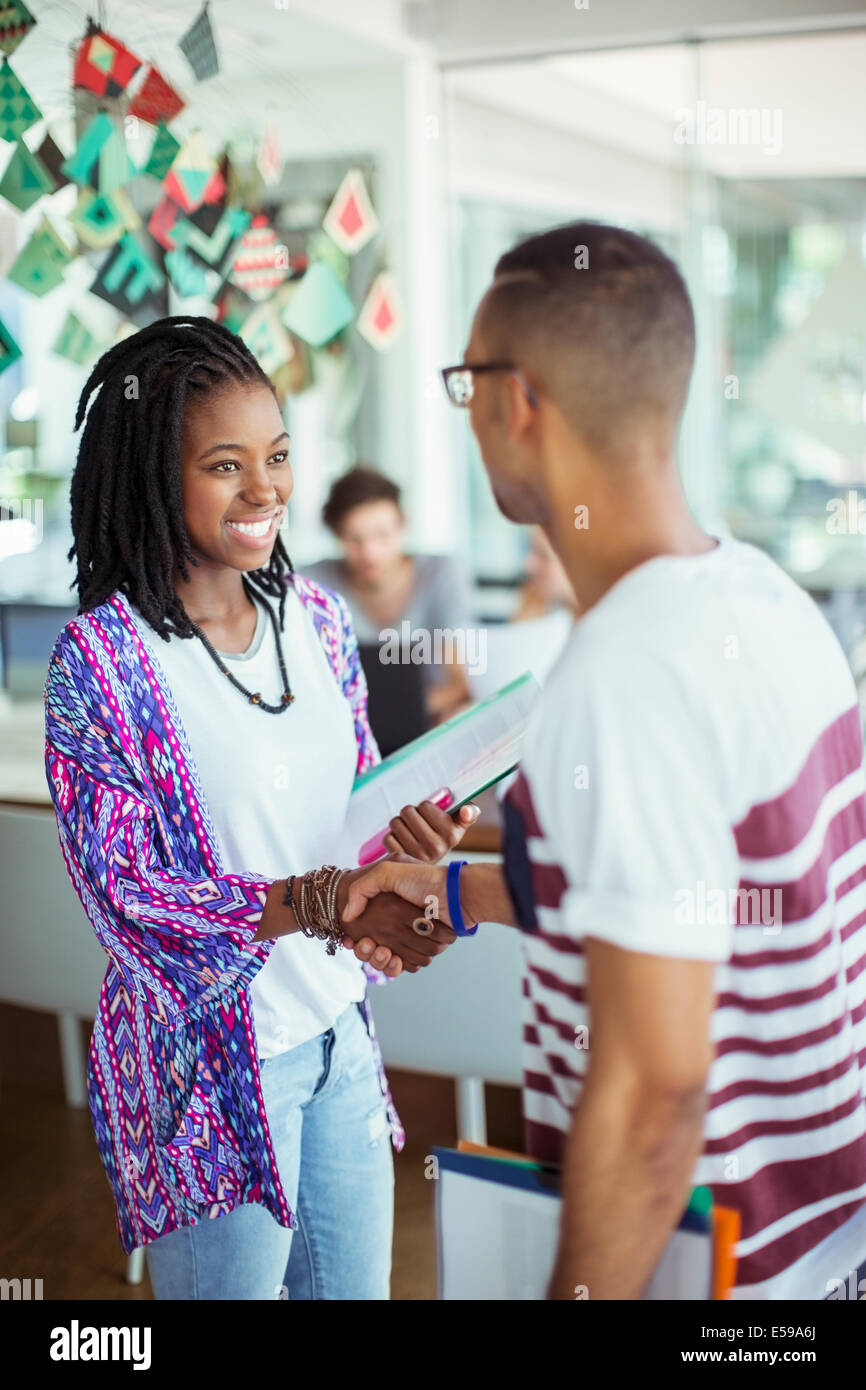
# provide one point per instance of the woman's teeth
(252, 528)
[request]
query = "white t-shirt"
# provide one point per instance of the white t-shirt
(692, 786)
(276, 786)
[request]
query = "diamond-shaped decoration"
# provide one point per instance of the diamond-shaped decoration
(162, 153)
(101, 219)
(267, 339)
(194, 177)
(18, 110)
(350, 220)
(130, 279)
(25, 179)
(75, 341)
(199, 46)
(103, 64)
(156, 100)
(9, 349)
(16, 21)
(381, 318)
(319, 308)
(39, 265)
(261, 261)
(101, 160)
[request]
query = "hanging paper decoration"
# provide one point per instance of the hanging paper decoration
(103, 64)
(319, 308)
(211, 247)
(162, 153)
(350, 220)
(25, 179)
(381, 318)
(99, 219)
(156, 100)
(198, 46)
(194, 178)
(162, 221)
(261, 262)
(75, 341)
(53, 158)
(9, 349)
(320, 247)
(188, 276)
(270, 160)
(267, 339)
(18, 110)
(39, 265)
(131, 280)
(16, 21)
(101, 160)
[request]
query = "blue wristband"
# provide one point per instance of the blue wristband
(454, 911)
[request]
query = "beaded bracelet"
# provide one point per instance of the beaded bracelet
(313, 899)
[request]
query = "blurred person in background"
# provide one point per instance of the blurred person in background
(385, 588)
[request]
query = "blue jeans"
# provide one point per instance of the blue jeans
(332, 1142)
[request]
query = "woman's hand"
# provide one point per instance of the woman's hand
(384, 935)
(427, 832)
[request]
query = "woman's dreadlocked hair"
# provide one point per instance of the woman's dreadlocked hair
(126, 495)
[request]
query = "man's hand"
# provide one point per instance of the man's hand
(427, 832)
(419, 885)
(381, 931)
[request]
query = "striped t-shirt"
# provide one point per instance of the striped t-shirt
(693, 786)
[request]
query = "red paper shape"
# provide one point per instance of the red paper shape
(162, 223)
(381, 318)
(103, 64)
(156, 99)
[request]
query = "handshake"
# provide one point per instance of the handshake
(395, 912)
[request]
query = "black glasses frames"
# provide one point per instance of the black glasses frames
(460, 384)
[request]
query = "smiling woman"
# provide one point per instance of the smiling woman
(204, 873)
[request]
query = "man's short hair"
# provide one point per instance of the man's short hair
(602, 318)
(360, 485)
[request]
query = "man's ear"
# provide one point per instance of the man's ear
(520, 412)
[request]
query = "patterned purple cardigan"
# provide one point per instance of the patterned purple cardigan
(173, 1072)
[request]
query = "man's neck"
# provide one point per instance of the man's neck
(645, 517)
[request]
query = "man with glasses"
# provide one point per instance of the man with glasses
(686, 841)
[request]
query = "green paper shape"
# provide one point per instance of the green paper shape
(75, 341)
(101, 159)
(188, 276)
(39, 265)
(186, 235)
(99, 219)
(320, 247)
(18, 110)
(25, 179)
(319, 308)
(9, 349)
(162, 153)
(16, 21)
(132, 273)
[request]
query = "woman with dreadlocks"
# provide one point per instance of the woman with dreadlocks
(205, 719)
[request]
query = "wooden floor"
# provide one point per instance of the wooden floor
(57, 1217)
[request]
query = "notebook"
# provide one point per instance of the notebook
(497, 1226)
(467, 753)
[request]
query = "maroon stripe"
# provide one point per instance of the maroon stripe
(778, 825)
(576, 993)
(740, 961)
(802, 1124)
(775, 1047)
(774, 1258)
(557, 942)
(537, 1081)
(543, 1142)
(780, 1188)
(753, 1086)
(795, 997)
(544, 1017)
(803, 896)
(548, 884)
(851, 928)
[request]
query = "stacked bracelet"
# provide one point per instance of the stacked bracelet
(313, 899)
